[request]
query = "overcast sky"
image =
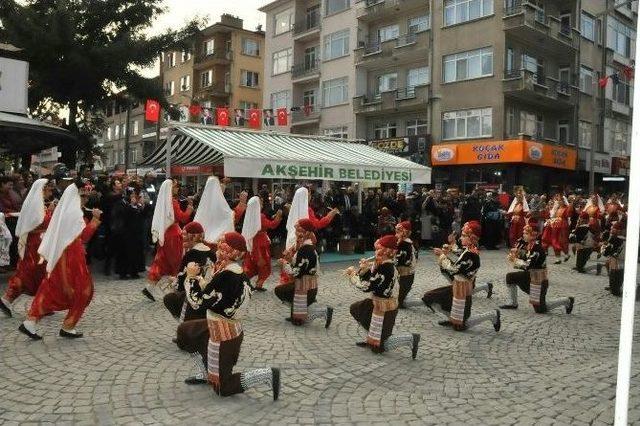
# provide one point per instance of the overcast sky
(180, 12)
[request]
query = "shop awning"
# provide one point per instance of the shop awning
(22, 135)
(256, 154)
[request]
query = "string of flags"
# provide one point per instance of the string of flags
(615, 77)
(253, 117)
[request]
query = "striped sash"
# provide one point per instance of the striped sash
(301, 288)
(461, 290)
(613, 264)
(183, 311)
(403, 271)
(538, 276)
(221, 329)
(380, 307)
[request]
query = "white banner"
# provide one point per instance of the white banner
(274, 169)
(14, 77)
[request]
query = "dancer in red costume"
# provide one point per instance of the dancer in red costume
(517, 212)
(68, 285)
(165, 229)
(557, 228)
(33, 221)
(254, 230)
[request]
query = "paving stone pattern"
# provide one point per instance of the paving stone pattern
(540, 369)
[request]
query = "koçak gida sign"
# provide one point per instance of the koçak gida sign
(507, 151)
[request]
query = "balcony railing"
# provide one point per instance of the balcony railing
(374, 48)
(303, 115)
(216, 54)
(216, 89)
(412, 96)
(522, 14)
(305, 69)
(374, 9)
(310, 23)
(538, 84)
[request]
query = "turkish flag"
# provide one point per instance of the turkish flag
(628, 72)
(282, 116)
(603, 81)
(195, 110)
(222, 116)
(254, 118)
(152, 111)
(308, 109)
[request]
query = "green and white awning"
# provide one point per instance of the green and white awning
(257, 154)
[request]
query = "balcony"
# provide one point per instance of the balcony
(618, 108)
(219, 56)
(537, 89)
(531, 26)
(405, 49)
(302, 117)
(614, 58)
(305, 72)
(406, 99)
(217, 89)
(307, 29)
(371, 10)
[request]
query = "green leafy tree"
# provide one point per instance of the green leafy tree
(80, 51)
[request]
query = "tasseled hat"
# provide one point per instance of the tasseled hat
(406, 225)
(236, 241)
(194, 228)
(306, 224)
(473, 228)
(388, 241)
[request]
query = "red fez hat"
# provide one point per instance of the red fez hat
(406, 225)
(236, 241)
(306, 224)
(618, 227)
(194, 228)
(584, 215)
(532, 226)
(388, 241)
(473, 227)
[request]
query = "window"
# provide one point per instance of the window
(336, 45)
(250, 47)
(311, 55)
(621, 92)
(563, 132)
(617, 136)
(208, 47)
(185, 83)
(584, 134)
(337, 132)
(619, 37)
(387, 82)
(335, 6)
(133, 156)
(335, 92)
(135, 126)
(206, 78)
(471, 123)
(418, 24)
(172, 59)
(123, 130)
(282, 61)
(281, 99)
(385, 130)
(532, 124)
(116, 131)
(283, 22)
(588, 26)
(249, 78)
(418, 76)
(170, 88)
(586, 80)
(186, 55)
(309, 98)
(122, 156)
(388, 33)
(459, 11)
(109, 133)
(468, 65)
(416, 127)
(510, 60)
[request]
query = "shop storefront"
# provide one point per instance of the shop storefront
(536, 166)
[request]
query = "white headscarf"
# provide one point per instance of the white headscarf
(525, 205)
(5, 242)
(299, 210)
(66, 225)
(163, 216)
(31, 215)
(214, 213)
(600, 204)
(252, 221)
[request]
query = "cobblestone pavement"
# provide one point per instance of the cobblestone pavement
(540, 369)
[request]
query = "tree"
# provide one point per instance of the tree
(80, 51)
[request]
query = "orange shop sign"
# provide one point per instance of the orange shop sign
(507, 151)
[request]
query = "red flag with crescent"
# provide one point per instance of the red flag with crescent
(195, 110)
(282, 116)
(254, 118)
(152, 111)
(222, 116)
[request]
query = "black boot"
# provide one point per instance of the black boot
(5, 309)
(498, 323)
(414, 346)
(64, 333)
(489, 290)
(275, 383)
(31, 335)
(148, 295)
(327, 322)
(570, 305)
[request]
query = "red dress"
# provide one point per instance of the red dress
(258, 262)
(517, 224)
(169, 255)
(29, 272)
(558, 235)
(69, 286)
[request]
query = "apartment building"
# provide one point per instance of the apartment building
(223, 67)
(309, 64)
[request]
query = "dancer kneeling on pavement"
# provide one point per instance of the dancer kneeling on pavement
(613, 250)
(378, 314)
(202, 255)
(455, 299)
(68, 284)
(531, 257)
(215, 341)
(586, 237)
(405, 261)
(303, 266)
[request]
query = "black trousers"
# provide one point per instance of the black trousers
(582, 256)
(173, 302)
(285, 293)
(523, 280)
(362, 311)
(616, 278)
(405, 282)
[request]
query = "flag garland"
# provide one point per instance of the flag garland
(627, 72)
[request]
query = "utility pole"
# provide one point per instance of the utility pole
(127, 133)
